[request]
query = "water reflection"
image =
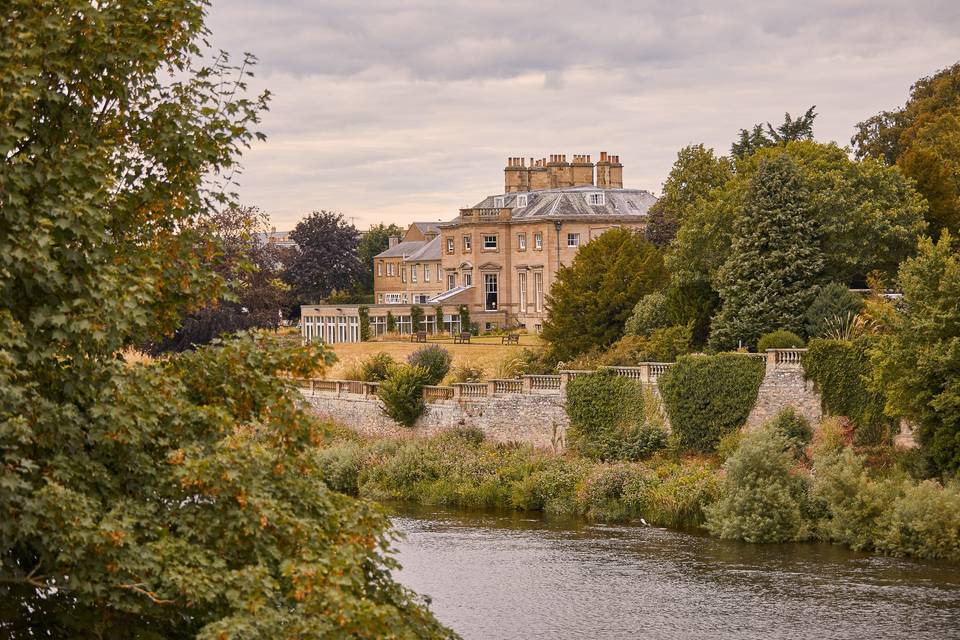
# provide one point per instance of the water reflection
(512, 576)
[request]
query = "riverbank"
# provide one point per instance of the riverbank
(874, 508)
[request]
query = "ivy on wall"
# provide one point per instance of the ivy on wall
(840, 369)
(707, 397)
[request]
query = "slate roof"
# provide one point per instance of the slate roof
(414, 250)
(429, 251)
(427, 227)
(572, 202)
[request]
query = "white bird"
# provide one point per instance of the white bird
(644, 522)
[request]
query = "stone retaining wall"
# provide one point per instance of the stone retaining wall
(532, 410)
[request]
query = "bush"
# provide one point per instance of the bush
(402, 394)
(605, 411)
(760, 499)
(537, 362)
(364, 313)
(923, 522)
(391, 322)
(840, 369)
(434, 359)
(340, 465)
(708, 397)
(376, 368)
(662, 345)
(832, 302)
(794, 427)
(438, 318)
(652, 312)
(416, 318)
(780, 339)
(466, 373)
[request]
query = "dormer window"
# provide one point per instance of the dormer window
(521, 201)
(595, 199)
(498, 202)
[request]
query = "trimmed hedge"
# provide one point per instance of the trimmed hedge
(779, 339)
(606, 418)
(708, 397)
(839, 369)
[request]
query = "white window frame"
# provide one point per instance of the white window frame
(538, 290)
(390, 269)
(522, 290)
(394, 298)
(426, 273)
(489, 278)
(380, 268)
(521, 201)
(467, 244)
(538, 241)
(413, 273)
(596, 199)
(521, 242)
(486, 245)
(498, 202)
(451, 245)
(573, 240)
(467, 278)
(379, 298)
(451, 281)
(403, 273)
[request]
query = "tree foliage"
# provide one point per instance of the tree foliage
(760, 136)
(923, 139)
(327, 256)
(917, 359)
(833, 303)
(694, 174)
(592, 298)
(775, 261)
(180, 499)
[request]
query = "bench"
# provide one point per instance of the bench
(510, 338)
(463, 337)
(419, 336)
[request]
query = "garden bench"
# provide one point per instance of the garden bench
(419, 336)
(463, 337)
(510, 338)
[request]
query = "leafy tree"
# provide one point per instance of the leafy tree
(180, 499)
(327, 259)
(438, 316)
(375, 240)
(650, 313)
(255, 296)
(694, 174)
(416, 317)
(917, 358)
(464, 312)
(402, 393)
(593, 297)
(768, 279)
(365, 332)
(760, 137)
(923, 139)
(434, 360)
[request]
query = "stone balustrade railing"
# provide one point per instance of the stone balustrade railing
(645, 373)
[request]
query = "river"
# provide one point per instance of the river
(507, 575)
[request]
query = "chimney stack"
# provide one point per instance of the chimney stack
(581, 170)
(561, 173)
(393, 241)
(516, 176)
(609, 172)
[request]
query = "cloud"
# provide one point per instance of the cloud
(401, 110)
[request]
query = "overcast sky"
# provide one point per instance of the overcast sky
(402, 111)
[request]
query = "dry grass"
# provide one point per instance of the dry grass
(484, 352)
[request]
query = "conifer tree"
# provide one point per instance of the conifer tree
(775, 259)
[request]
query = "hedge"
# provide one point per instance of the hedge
(607, 418)
(839, 369)
(707, 397)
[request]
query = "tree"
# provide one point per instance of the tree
(759, 138)
(695, 173)
(375, 240)
(594, 296)
(179, 499)
(923, 139)
(917, 357)
(833, 304)
(255, 296)
(775, 262)
(327, 260)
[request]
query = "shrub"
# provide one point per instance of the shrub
(794, 427)
(466, 373)
(509, 366)
(832, 301)
(377, 367)
(707, 397)
(728, 445)
(464, 312)
(923, 522)
(652, 312)
(780, 339)
(391, 322)
(537, 361)
(840, 370)
(662, 345)
(340, 466)
(760, 499)
(603, 409)
(681, 496)
(438, 318)
(434, 359)
(402, 394)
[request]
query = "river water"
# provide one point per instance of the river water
(506, 575)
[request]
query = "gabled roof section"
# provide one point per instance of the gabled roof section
(429, 251)
(402, 249)
(427, 227)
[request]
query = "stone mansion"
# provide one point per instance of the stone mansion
(499, 257)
